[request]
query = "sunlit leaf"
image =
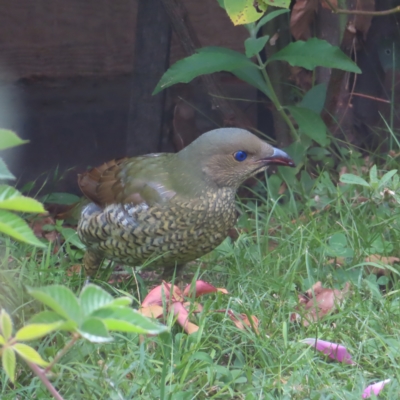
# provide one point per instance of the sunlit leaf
(12, 199)
(8, 362)
(16, 227)
(4, 171)
(36, 331)
(243, 11)
(5, 324)
(128, 320)
(94, 330)
(29, 354)
(9, 139)
(92, 298)
(60, 299)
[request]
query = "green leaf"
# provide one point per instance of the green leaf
(36, 331)
(16, 227)
(5, 324)
(373, 176)
(254, 78)
(8, 361)
(314, 99)
(387, 177)
(4, 171)
(254, 45)
(9, 139)
(71, 236)
(60, 198)
(60, 299)
(94, 330)
(12, 199)
(50, 317)
(127, 320)
(92, 298)
(315, 53)
(221, 3)
(120, 302)
(2, 340)
(206, 61)
(242, 11)
(269, 17)
(310, 124)
(29, 354)
(353, 180)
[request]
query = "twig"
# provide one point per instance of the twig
(62, 352)
(362, 12)
(366, 96)
(40, 373)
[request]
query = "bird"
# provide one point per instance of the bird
(166, 209)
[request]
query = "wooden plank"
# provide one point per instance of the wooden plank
(153, 34)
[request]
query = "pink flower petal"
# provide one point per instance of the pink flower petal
(201, 288)
(155, 296)
(375, 388)
(333, 350)
(183, 318)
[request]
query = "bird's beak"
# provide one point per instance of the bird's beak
(279, 157)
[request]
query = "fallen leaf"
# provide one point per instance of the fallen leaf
(183, 318)
(152, 305)
(333, 350)
(201, 288)
(74, 270)
(241, 320)
(156, 295)
(153, 311)
(375, 389)
(378, 259)
(317, 302)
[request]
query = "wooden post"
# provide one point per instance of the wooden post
(152, 44)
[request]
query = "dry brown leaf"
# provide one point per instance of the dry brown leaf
(74, 270)
(378, 259)
(241, 321)
(317, 302)
(302, 14)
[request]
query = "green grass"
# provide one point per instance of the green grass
(282, 249)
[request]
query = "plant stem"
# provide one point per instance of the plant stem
(362, 12)
(58, 356)
(40, 373)
(276, 101)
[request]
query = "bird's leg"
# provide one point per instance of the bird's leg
(168, 272)
(91, 262)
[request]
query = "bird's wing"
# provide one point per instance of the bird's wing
(134, 180)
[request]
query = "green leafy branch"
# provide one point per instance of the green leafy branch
(306, 54)
(90, 316)
(12, 200)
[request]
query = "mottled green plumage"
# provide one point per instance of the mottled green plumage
(169, 208)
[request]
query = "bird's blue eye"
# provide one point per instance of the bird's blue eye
(240, 155)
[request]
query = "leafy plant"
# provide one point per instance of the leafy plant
(307, 54)
(12, 200)
(91, 316)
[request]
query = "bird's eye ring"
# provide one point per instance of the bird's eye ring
(240, 155)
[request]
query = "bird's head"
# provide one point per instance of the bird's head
(228, 156)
